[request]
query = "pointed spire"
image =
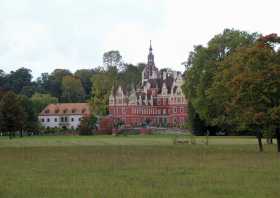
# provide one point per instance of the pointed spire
(151, 56)
(151, 49)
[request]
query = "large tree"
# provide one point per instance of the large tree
(113, 58)
(85, 76)
(16, 80)
(246, 88)
(55, 82)
(42, 83)
(203, 64)
(12, 115)
(31, 121)
(102, 84)
(72, 89)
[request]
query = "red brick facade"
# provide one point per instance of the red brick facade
(157, 101)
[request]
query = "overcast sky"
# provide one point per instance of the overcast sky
(73, 34)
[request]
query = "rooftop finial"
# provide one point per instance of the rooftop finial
(151, 45)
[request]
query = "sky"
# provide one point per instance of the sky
(74, 34)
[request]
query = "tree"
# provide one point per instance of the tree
(85, 76)
(202, 66)
(42, 83)
(18, 79)
(31, 121)
(72, 89)
(87, 125)
(28, 90)
(55, 82)
(102, 84)
(2, 79)
(12, 114)
(40, 101)
(131, 75)
(113, 58)
(245, 92)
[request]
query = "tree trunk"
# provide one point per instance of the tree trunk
(260, 143)
(259, 137)
(278, 138)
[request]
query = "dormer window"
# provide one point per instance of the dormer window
(73, 110)
(47, 111)
(56, 111)
(83, 110)
(65, 111)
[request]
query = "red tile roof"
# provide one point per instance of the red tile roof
(66, 109)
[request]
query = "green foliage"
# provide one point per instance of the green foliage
(40, 101)
(102, 83)
(87, 125)
(12, 115)
(16, 80)
(246, 89)
(202, 66)
(31, 121)
(72, 89)
(85, 76)
(197, 126)
(113, 58)
(54, 82)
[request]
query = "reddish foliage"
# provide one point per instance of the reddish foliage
(106, 125)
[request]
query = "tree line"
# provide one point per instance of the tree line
(233, 85)
(22, 98)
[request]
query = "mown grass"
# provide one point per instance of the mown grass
(136, 166)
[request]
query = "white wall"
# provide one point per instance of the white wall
(52, 124)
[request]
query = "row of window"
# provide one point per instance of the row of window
(62, 119)
(163, 101)
(149, 111)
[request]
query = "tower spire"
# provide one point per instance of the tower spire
(151, 56)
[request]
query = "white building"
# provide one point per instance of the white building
(64, 115)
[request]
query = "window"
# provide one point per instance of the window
(48, 120)
(47, 111)
(43, 120)
(79, 119)
(65, 111)
(73, 110)
(62, 119)
(56, 111)
(175, 110)
(72, 119)
(65, 119)
(55, 120)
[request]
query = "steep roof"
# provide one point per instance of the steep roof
(66, 109)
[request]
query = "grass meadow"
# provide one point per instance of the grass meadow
(148, 166)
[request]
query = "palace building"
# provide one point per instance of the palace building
(157, 100)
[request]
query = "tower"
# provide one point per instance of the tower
(151, 61)
(150, 71)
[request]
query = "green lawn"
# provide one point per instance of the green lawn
(137, 166)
